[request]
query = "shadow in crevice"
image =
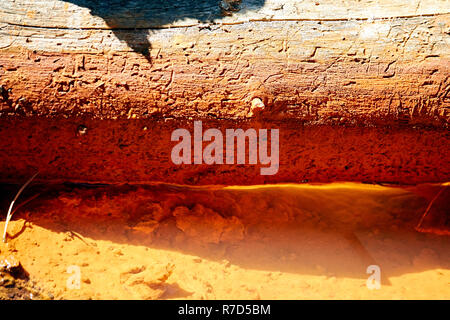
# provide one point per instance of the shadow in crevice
(130, 20)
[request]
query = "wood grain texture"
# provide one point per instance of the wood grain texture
(88, 14)
(384, 71)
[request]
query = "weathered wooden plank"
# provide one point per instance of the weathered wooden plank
(175, 13)
(315, 71)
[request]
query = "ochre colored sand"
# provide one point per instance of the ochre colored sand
(272, 242)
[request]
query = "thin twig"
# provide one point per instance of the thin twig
(10, 213)
(419, 225)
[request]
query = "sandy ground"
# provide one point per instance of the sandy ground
(170, 242)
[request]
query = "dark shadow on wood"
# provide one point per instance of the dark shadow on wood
(139, 16)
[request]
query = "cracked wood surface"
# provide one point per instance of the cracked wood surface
(367, 71)
(87, 14)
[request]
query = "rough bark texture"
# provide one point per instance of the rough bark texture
(350, 65)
